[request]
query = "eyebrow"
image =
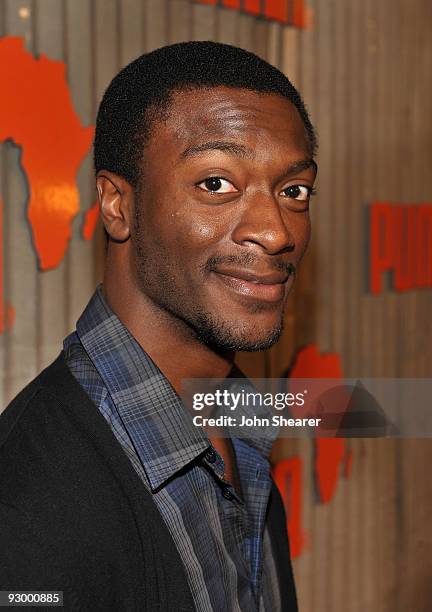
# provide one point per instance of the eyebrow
(299, 166)
(217, 145)
(243, 152)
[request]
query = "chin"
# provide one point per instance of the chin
(259, 344)
(237, 336)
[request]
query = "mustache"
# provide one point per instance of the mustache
(248, 261)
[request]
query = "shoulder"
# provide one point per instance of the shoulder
(55, 453)
(68, 497)
(28, 406)
(41, 443)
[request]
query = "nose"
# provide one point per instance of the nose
(264, 223)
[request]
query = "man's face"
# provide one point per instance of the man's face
(221, 219)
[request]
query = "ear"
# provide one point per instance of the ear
(116, 204)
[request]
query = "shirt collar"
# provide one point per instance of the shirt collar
(159, 425)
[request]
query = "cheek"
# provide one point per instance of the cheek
(203, 230)
(191, 229)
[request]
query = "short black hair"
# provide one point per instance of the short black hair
(145, 86)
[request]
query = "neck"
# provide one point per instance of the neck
(169, 342)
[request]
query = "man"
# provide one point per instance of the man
(204, 166)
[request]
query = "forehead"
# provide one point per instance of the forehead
(261, 121)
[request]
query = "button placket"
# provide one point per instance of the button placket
(227, 493)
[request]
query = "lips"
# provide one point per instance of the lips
(268, 286)
(269, 278)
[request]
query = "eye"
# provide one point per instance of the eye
(301, 193)
(216, 184)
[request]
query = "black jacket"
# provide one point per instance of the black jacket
(75, 517)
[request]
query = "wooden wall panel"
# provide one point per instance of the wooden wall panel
(132, 24)
(52, 294)
(156, 24)
(203, 22)
(364, 70)
(21, 279)
(180, 21)
(78, 44)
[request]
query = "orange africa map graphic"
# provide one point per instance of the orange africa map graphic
(38, 116)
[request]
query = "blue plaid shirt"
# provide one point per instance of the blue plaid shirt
(222, 539)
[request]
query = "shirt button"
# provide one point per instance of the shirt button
(211, 455)
(227, 494)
